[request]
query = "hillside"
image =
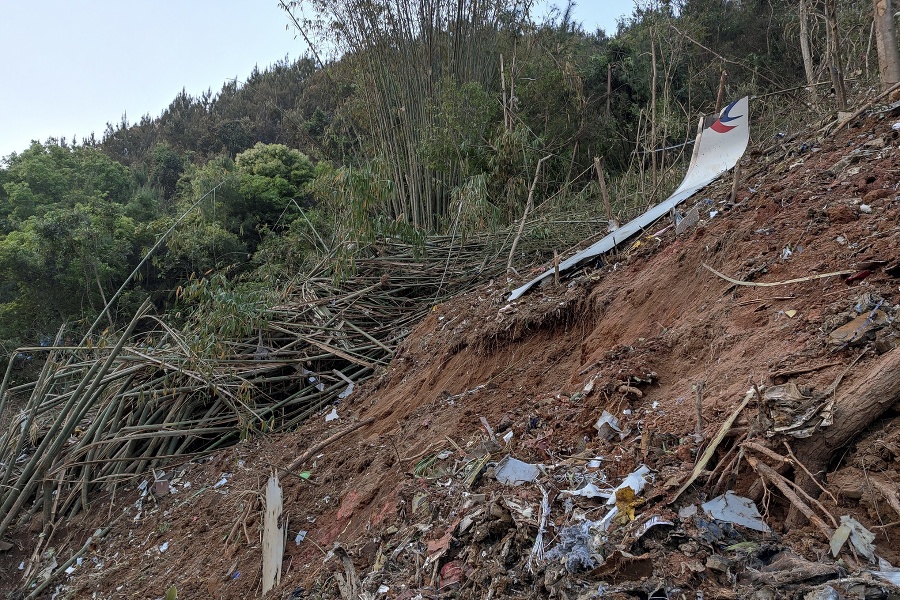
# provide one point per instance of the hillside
(399, 496)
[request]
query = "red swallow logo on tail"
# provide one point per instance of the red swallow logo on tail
(720, 125)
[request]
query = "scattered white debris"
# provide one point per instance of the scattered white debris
(652, 522)
(301, 535)
(512, 471)
(383, 589)
(889, 576)
(163, 547)
(732, 508)
(588, 491)
(635, 480)
(607, 426)
(489, 429)
(687, 511)
(508, 436)
(222, 481)
(859, 536)
(332, 416)
(865, 208)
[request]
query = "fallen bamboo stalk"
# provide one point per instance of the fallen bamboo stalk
(311, 451)
(713, 444)
(775, 283)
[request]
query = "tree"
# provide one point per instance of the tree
(886, 42)
(166, 166)
(270, 177)
(50, 175)
(64, 263)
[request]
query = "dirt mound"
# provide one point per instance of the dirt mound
(654, 339)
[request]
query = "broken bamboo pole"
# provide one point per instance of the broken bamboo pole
(721, 95)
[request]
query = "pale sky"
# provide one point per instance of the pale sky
(69, 67)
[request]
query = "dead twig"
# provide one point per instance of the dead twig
(797, 463)
(698, 387)
(750, 445)
(528, 205)
(863, 108)
(710, 450)
(774, 283)
(887, 489)
(801, 371)
(311, 451)
(782, 484)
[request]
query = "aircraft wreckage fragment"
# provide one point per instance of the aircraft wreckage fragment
(719, 147)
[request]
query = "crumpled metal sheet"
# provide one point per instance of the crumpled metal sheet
(796, 414)
(732, 508)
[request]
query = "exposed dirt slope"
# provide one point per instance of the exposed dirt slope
(413, 498)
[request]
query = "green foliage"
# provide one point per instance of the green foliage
(196, 246)
(48, 175)
(294, 249)
(60, 263)
(464, 116)
(218, 309)
(166, 167)
(408, 134)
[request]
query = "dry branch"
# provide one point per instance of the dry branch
(782, 484)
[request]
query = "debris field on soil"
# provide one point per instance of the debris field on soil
(646, 429)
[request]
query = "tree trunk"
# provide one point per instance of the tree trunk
(805, 50)
(653, 108)
(886, 43)
(854, 410)
(608, 88)
(834, 55)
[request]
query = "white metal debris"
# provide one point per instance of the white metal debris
(735, 509)
(512, 471)
(718, 148)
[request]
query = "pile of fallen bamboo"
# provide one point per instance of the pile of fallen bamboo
(99, 415)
